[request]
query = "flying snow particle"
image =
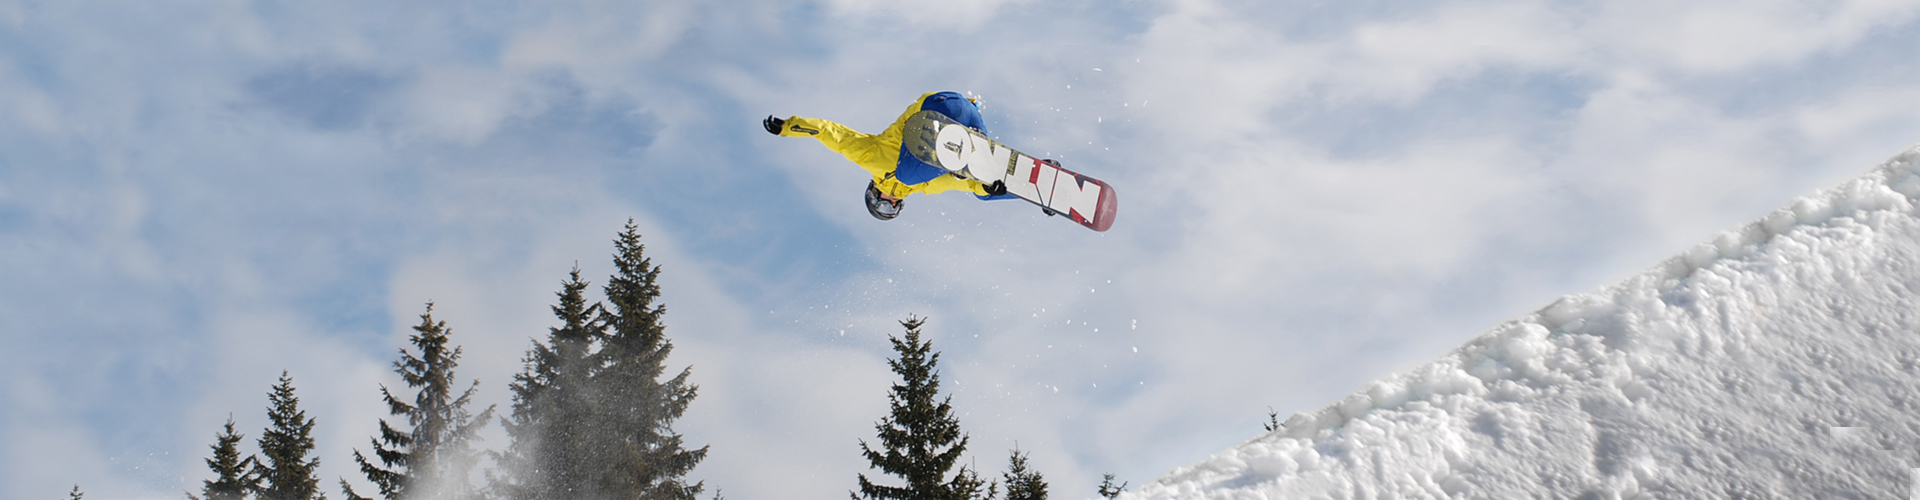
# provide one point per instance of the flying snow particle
(1136, 324)
(1136, 349)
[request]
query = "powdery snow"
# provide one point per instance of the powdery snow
(1780, 360)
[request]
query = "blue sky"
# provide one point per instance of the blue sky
(195, 196)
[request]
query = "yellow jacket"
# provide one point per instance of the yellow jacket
(879, 154)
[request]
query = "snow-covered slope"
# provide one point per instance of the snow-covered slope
(1780, 360)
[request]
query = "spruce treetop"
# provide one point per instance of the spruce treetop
(1110, 490)
(592, 416)
(233, 480)
(920, 438)
(431, 459)
(634, 358)
(1023, 483)
(286, 474)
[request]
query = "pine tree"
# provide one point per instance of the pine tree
(648, 459)
(234, 480)
(920, 440)
(287, 473)
(76, 494)
(432, 459)
(552, 443)
(1110, 490)
(1023, 483)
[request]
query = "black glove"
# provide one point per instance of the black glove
(773, 124)
(997, 188)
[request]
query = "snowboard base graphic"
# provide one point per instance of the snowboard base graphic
(939, 141)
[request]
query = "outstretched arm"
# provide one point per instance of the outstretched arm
(862, 149)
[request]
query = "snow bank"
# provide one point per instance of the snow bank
(1779, 360)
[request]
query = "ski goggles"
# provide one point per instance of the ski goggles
(886, 207)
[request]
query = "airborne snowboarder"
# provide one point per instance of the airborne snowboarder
(895, 175)
(940, 144)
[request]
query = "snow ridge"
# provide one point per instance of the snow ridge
(1779, 360)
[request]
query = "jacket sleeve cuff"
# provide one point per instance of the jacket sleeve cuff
(799, 127)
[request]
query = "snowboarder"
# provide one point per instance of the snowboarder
(895, 174)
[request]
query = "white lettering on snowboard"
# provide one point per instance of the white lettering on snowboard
(959, 149)
(1074, 197)
(1020, 180)
(994, 163)
(953, 146)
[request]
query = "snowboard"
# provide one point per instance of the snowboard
(940, 141)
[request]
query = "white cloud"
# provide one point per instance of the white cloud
(13, 12)
(59, 452)
(1711, 37)
(1215, 75)
(1402, 60)
(961, 15)
(1861, 112)
(594, 38)
(32, 109)
(462, 104)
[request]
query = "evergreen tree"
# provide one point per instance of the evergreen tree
(432, 459)
(647, 459)
(234, 480)
(592, 417)
(920, 440)
(552, 441)
(287, 473)
(1110, 490)
(1023, 483)
(76, 494)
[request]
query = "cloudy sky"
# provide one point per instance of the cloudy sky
(197, 195)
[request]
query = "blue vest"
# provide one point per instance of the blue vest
(911, 170)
